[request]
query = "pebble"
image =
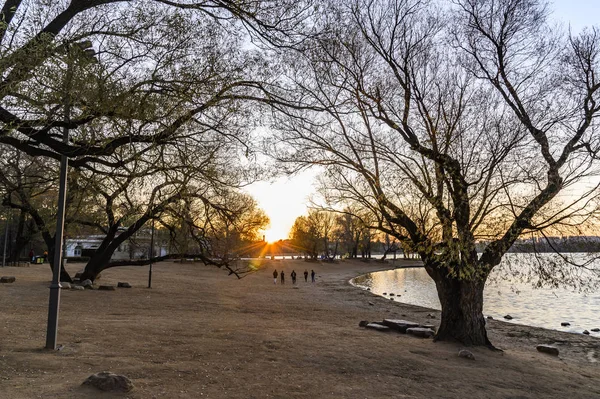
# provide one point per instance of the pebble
(77, 288)
(7, 279)
(508, 317)
(490, 318)
(371, 303)
(466, 354)
(65, 285)
(595, 329)
(430, 316)
(565, 324)
(122, 284)
(586, 332)
(106, 288)
(363, 323)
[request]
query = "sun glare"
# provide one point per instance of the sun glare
(273, 234)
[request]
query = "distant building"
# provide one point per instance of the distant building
(136, 247)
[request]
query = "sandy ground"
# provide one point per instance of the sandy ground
(199, 333)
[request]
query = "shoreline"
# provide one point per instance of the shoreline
(497, 316)
(201, 333)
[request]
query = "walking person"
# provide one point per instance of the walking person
(305, 276)
(312, 275)
(293, 277)
(31, 255)
(275, 276)
(282, 278)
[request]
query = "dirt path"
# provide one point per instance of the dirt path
(199, 333)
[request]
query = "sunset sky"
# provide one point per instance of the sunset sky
(287, 198)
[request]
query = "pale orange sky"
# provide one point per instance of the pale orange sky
(284, 200)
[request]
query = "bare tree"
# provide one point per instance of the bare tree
(449, 125)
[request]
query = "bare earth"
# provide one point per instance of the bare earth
(199, 333)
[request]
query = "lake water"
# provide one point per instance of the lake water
(540, 307)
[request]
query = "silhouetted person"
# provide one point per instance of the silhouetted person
(293, 277)
(312, 275)
(305, 276)
(275, 276)
(282, 278)
(31, 255)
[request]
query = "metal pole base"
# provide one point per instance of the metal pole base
(53, 307)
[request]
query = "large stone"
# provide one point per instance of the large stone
(109, 382)
(378, 327)
(106, 288)
(586, 332)
(77, 288)
(123, 285)
(420, 332)
(549, 349)
(595, 329)
(466, 354)
(65, 285)
(7, 279)
(87, 284)
(363, 323)
(399, 325)
(565, 324)
(508, 317)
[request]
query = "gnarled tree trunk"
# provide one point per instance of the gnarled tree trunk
(462, 308)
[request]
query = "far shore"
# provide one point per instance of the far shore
(199, 333)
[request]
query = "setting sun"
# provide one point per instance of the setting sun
(275, 233)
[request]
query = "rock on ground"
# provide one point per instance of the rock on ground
(377, 326)
(399, 325)
(109, 382)
(87, 283)
(508, 317)
(466, 354)
(549, 349)
(77, 288)
(106, 288)
(123, 284)
(7, 279)
(65, 285)
(420, 332)
(363, 323)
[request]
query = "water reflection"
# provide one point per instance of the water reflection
(540, 307)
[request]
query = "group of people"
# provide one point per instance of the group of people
(293, 274)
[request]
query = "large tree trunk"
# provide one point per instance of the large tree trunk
(462, 310)
(96, 264)
(64, 275)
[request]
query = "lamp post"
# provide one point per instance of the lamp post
(54, 301)
(8, 214)
(151, 255)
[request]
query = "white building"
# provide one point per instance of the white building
(137, 247)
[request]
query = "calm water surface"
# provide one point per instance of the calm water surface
(540, 307)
